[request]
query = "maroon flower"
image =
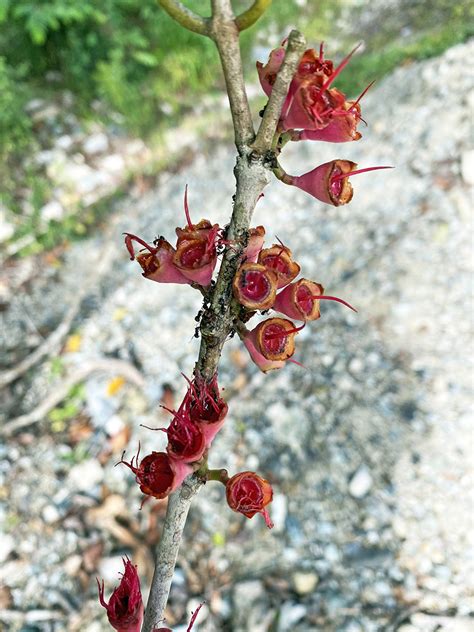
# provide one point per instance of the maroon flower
(206, 407)
(248, 494)
(300, 300)
(278, 258)
(125, 607)
(330, 181)
(158, 474)
(271, 343)
(196, 254)
(255, 285)
(312, 105)
(156, 261)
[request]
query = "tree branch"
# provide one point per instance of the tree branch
(294, 50)
(187, 18)
(252, 174)
(225, 34)
(167, 552)
(249, 17)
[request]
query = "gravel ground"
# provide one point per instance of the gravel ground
(368, 447)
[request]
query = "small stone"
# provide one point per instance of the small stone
(113, 164)
(85, 476)
(64, 142)
(7, 546)
(52, 211)
(305, 583)
(360, 483)
(6, 228)
(96, 144)
(50, 514)
(278, 512)
(467, 166)
(290, 613)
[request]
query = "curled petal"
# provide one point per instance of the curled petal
(156, 261)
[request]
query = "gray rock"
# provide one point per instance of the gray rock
(361, 482)
(96, 144)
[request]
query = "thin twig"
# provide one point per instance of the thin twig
(167, 552)
(225, 34)
(184, 16)
(249, 17)
(109, 365)
(294, 50)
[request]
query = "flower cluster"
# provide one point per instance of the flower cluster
(190, 434)
(256, 287)
(192, 261)
(315, 110)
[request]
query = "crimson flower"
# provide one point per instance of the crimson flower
(271, 343)
(278, 258)
(156, 261)
(125, 607)
(330, 181)
(255, 286)
(158, 474)
(320, 111)
(300, 300)
(248, 494)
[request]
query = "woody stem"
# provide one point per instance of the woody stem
(252, 173)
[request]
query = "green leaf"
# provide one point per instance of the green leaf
(144, 58)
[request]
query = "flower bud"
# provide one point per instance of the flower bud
(271, 343)
(125, 607)
(248, 494)
(255, 286)
(255, 244)
(298, 300)
(186, 440)
(158, 474)
(278, 258)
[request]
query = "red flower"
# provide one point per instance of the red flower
(329, 182)
(300, 300)
(278, 258)
(321, 112)
(196, 254)
(255, 286)
(125, 607)
(158, 474)
(156, 261)
(271, 343)
(248, 494)
(206, 407)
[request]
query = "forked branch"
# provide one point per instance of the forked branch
(249, 17)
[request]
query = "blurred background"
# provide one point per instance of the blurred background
(107, 110)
